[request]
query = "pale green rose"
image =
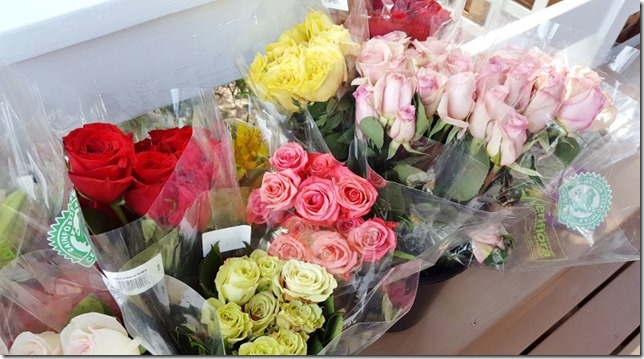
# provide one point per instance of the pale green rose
(293, 343)
(237, 280)
(269, 266)
(299, 317)
(262, 308)
(261, 346)
(303, 281)
(233, 324)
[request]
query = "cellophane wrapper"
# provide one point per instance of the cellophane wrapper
(38, 287)
(543, 235)
(168, 239)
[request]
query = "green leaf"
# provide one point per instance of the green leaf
(404, 171)
(317, 109)
(526, 171)
(452, 134)
(463, 172)
(331, 104)
(208, 270)
(333, 121)
(314, 345)
(439, 126)
(422, 124)
(567, 149)
(98, 222)
(320, 121)
(333, 327)
(89, 304)
(403, 255)
(328, 306)
(373, 130)
(347, 136)
(393, 148)
(148, 226)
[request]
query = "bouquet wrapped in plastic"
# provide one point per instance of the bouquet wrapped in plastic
(47, 303)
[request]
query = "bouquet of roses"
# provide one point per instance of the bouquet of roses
(476, 135)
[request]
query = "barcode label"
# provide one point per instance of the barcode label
(229, 239)
(336, 4)
(137, 280)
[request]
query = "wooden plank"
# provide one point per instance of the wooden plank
(527, 322)
(603, 323)
(633, 347)
(466, 307)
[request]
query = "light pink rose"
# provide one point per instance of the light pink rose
(484, 240)
(508, 138)
(28, 343)
(377, 57)
(490, 106)
(458, 99)
(430, 88)
(492, 73)
(372, 240)
(432, 50)
(279, 189)
(397, 41)
(289, 156)
(355, 195)
(322, 164)
(403, 129)
(256, 209)
(457, 62)
(392, 92)
(331, 250)
(317, 201)
(546, 100)
(298, 227)
(580, 79)
(97, 334)
(288, 247)
(346, 223)
(520, 80)
(578, 112)
(364, 106)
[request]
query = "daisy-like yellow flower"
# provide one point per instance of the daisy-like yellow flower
(250, 148)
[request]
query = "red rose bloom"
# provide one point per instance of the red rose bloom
(151, 171)
(418, 18)
(100, 161)
(172, 140)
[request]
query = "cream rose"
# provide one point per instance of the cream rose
(261, 346)
(262, 308)
(237, 280)
(299, 317)
(97, 334)
(292, 343)
(28, 343)
(234, 325)
(308, 282)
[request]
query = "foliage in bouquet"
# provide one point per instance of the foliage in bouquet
(263, 305)
(434, 121)
(315, 209)
(307, 69)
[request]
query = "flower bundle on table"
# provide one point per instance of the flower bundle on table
(268, 306)
(320, 209)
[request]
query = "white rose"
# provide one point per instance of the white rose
(28, 343)
(303, 281)
(97, 334)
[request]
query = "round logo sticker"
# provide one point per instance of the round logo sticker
(584, 201)
(68, 236)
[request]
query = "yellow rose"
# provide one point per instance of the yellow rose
(283, 78)
(297, 33)
(262, 308)
(255, 77)
(261, 346)
(325, 71)
(308, 282)
(275, 50)
(237, 280)
(292, 343)
(299, 317)
(317, 22)
(337, 35)
(233, 324)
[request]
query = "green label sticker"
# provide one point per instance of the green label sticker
(584, 201)
(69, 236)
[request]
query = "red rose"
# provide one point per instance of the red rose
(151, 171)
(172, 140)
(100, 161)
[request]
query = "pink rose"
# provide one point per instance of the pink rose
(580, 79)
(316, 201)
(340, 173)
(279, 189)
(430, 88)
(578, 112)
(346, 223)
(457, 62)
(355, 195)
(331, 250)
(256, 209)
(519, 81)
(458, 99)
(289, 156)
(397, 41)
(393, 92)
(322, 164)
(298, 227)
(492, 73)
(364, 106)
(508, 138)
(432, 50)
(484, 240)
(288, 247)
(490, 106)
(372, 240)
(375, 59)
(546, 100)
(403, 129)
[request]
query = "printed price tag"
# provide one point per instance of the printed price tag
(138, 280)
(336, 4)
(229, 239)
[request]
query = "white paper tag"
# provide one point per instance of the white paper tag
(229, 239)
(336, 4)
(138, 280)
